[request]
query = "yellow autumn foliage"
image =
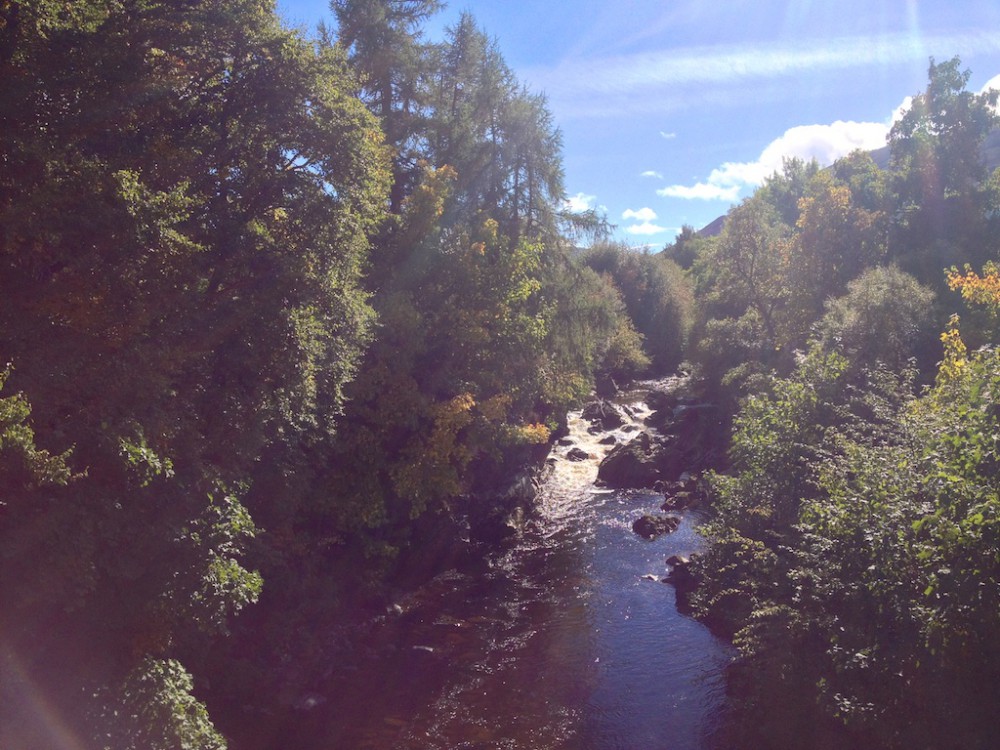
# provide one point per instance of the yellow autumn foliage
(982, 289)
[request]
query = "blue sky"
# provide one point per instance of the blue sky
(672, 110)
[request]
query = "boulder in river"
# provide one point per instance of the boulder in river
(632, 464)
(603, 414)
(606, 387)
(672, 459)
(679, 501)
(682, 578)
(577, 454)
(662, 400)
(650, 527)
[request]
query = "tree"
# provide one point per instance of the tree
(939, 173)
(383, 41)
(881, 320)
(835, 241)
(936, 141)
(185, 196)
(686, 247)
(740, 330)
(657, 298)
(854, 556)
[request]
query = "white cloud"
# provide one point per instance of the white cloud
(667, 136)
(898, 112)
(645, 228)
(993, 83)
(824, 143)
(579, 203)
(643, 214)
(652, 173)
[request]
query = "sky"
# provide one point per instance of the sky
(671, 111)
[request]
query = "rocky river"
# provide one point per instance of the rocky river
(566, 637)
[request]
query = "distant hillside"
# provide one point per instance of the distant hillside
(990, 150)
(711, 230)
(991, 158)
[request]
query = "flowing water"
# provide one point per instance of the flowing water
(561, 641)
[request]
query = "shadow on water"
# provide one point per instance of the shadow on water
(566, 640)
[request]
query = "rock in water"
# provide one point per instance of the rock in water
(650, 527)
(633, 464)
(603, 415)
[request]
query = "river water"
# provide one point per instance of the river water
(561, 641)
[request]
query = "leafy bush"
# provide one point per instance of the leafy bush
(883, 319)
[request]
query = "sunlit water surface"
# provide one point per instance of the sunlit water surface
(561, 641)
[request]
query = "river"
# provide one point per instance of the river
(560, 641)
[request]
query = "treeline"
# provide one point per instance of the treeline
(270, 306)
(855, 534)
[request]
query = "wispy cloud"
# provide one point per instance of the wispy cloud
(652, 173)
(667, 136)
(824, 143)
(620, 84)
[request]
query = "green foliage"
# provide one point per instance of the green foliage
(783, 190)
(939, 180)
(23, 466)
(763, 285)
(487, 333)
(186, 199)
(935, 144)
(854, 556)
(624, 358)
(155, 710)
(657, 298)
(686, 247)
(880, 320)
(189, 196)
(384, 44)
(741, 293)
(478, 353)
